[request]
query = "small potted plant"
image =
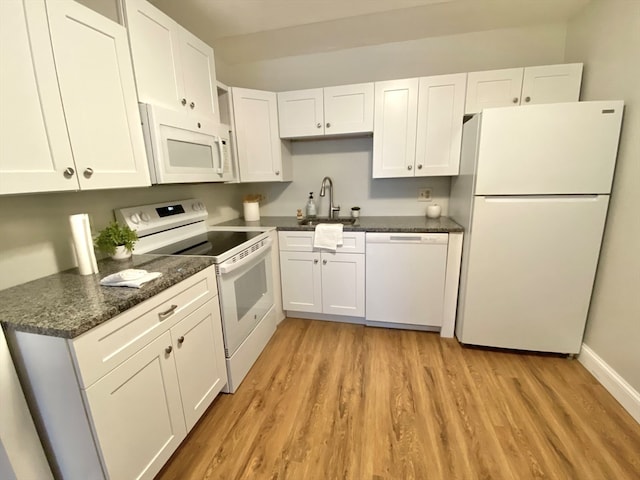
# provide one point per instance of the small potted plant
(116, 240)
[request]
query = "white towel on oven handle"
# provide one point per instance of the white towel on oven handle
(328, 236)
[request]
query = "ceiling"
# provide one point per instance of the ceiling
(253, 30)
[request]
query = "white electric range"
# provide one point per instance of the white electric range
(243, 271)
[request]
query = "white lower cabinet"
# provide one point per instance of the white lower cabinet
(322, 282)
(128, 391)
(139, 401)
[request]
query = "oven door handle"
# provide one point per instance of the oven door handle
(225, 268)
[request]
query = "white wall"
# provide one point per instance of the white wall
(606, 37)
(512, 47)
(36, 237)
(348, 162)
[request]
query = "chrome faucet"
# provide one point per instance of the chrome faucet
(332, 208)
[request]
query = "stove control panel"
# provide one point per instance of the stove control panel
(158, 217)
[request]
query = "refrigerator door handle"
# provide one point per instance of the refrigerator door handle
(540, 198)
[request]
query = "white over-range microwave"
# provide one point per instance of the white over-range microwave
(183, 149)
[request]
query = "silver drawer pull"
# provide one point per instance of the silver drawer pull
(168, 313)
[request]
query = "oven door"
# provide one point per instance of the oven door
(246, 295)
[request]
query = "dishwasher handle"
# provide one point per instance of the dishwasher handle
(408, 238)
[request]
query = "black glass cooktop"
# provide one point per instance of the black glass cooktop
(210, 244)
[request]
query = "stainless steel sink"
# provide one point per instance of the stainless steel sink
(317, 220)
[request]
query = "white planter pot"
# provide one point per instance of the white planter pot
(121, 253)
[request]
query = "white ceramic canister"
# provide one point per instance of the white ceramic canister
(433, 211)
(251, 211)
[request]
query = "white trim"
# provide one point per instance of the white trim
(452, 281)
(617, 386)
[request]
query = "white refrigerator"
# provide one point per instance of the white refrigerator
(532, 195)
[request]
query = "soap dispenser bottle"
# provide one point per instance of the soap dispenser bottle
(311, 206)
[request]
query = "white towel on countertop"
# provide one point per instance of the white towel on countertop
(129, 278)
(328, 236)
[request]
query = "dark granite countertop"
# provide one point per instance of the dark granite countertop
(415, 224)
(68, 304)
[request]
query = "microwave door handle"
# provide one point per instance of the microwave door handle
(220, 169)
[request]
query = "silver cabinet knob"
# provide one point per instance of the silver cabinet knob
(419, 166)
(88, 172)
(515, 99)
(527, 99)
(324, 262)
(315, 261)
(168, 350)
(180, 340)
(199, 125)
(328, 125)
(183, 101)
(68, 172)
(192, 105)
(277, 172)
(409, 167)
(318, 125)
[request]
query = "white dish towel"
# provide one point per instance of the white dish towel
(129, 278)
(328, 236)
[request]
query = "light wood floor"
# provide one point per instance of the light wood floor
(338, 401)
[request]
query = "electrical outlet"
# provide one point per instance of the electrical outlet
(424, 194)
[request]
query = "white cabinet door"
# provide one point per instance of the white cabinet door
(260, 150)
(34, 145)
(439, 132)
(199, 72)
(199, 355)
(174, 69)
(348, 109)
(343, 284)
(394, 135)
(301, 281)
(551, 84)
(98, 93)
(137, 413)
(155, 49)
(301, 113)
(493, 88)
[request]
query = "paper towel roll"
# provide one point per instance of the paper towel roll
(83, 244)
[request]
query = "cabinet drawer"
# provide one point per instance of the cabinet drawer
(302, 241)
(101, 349)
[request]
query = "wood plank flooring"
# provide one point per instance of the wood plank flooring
(339, 401)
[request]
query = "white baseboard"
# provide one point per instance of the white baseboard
(617, 386)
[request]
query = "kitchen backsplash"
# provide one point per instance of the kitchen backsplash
(348, 162)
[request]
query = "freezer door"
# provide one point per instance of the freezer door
(529, 271)
(562, 148)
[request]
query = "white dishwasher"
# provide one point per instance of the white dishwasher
(405, 277)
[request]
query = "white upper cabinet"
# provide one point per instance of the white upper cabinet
(69, 110)
(34, 145)
(173, 68)
(262, 156)
(301, 113)
(344, 109)
(395, 122)
(551, 84)
(418, 126)
(523, 86)
(98, 93)
(440, 114)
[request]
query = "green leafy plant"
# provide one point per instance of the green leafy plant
(114, 235)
